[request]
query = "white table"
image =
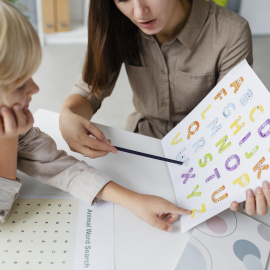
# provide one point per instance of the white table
(137, 244)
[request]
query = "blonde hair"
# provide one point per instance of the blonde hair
(20, 50)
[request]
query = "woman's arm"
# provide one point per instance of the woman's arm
(76, 128)
(78, 105)
(77, 110)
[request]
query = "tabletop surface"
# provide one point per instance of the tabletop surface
(137, 244)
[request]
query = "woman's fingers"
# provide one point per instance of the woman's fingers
(100, 142)
(84, 137)
(90, 141)
(266, 191)
(261, 203)
(97, 133)
(258, 202)
(250, 204)
(97, 145)
(234, 206)
(93, 148)
(91, 153)
(89, 146)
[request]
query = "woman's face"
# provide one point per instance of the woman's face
(21, 96)
(152, 16)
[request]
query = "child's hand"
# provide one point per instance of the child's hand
(154, 210)
(14, 121)
(157, 211)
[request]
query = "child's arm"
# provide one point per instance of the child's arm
(12, 123)
(39, 158)
(154, 210)
(8, 158)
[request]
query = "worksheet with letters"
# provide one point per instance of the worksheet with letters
(224, 145)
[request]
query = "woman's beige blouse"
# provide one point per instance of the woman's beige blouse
(171, 79)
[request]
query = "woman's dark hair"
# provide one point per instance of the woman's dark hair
(112, 40)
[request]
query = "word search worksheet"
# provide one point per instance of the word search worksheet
(224, 145)
(51, 232)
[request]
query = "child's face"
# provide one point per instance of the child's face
(21, 96)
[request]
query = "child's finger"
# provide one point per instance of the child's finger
(9, 120)
(1, 125)
(163, 215)
(20, 117)
(178, 210)
(28, 117)
(172, 218)
(175, 212)
(162, 225)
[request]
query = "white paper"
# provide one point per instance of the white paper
(235, 113)
(226, 242)
(103, 220)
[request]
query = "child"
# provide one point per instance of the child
(33, 152)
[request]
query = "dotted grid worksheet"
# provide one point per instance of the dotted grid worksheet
(39, 233)
(44, 233)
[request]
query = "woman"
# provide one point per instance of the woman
(174, 51)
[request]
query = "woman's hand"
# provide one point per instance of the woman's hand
(256, 203)
(76, 129)
(157, 211)
(14, 121)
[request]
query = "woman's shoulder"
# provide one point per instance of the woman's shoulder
(225, 15)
